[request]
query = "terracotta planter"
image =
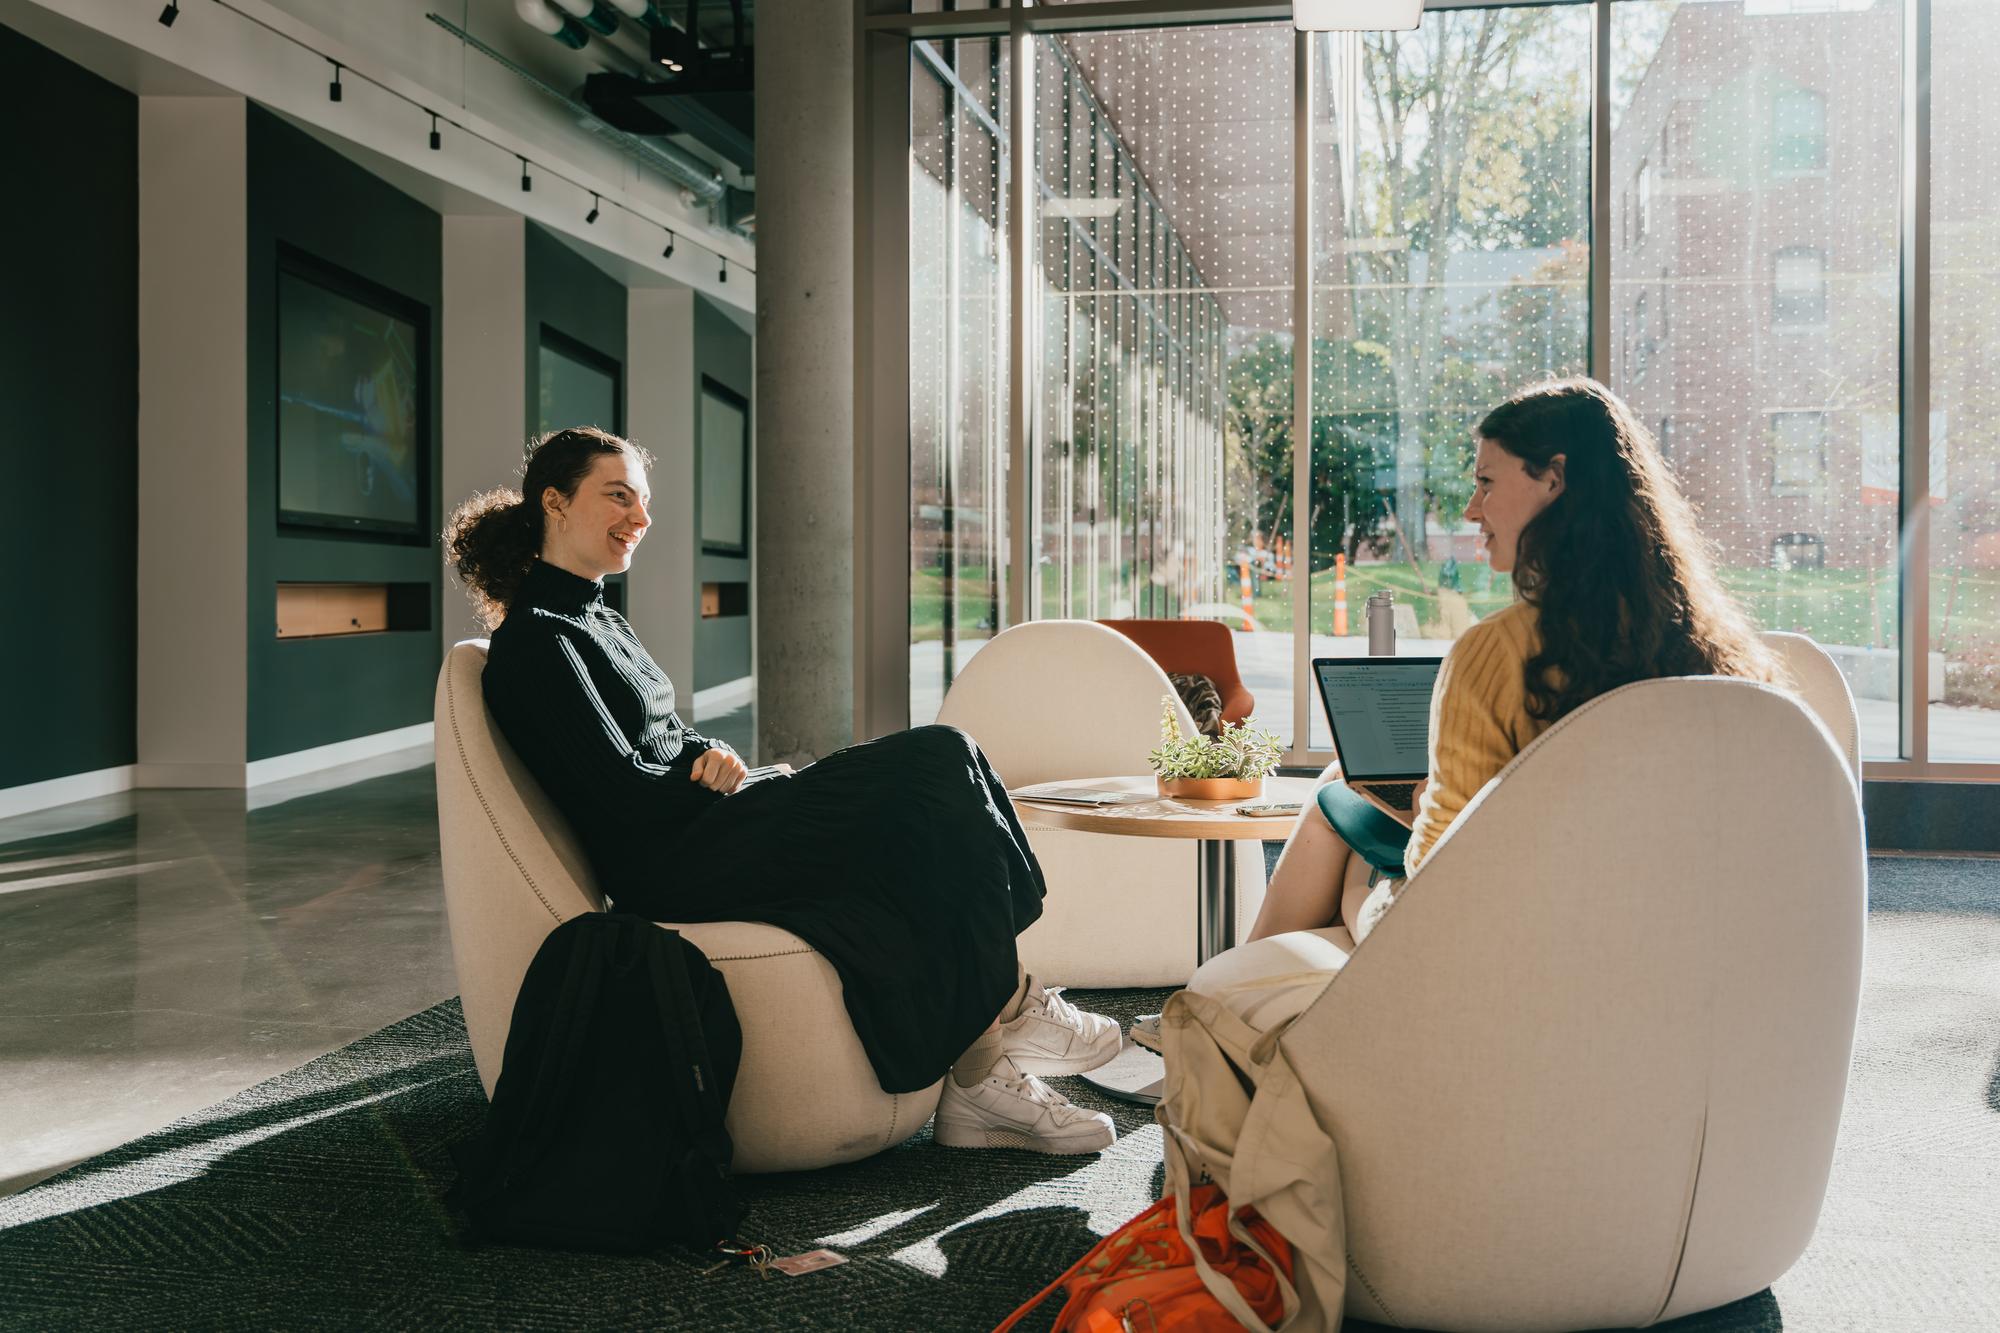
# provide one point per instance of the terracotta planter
(1212, 789)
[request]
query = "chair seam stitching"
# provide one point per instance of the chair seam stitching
(1373, 1294)
(753, 957)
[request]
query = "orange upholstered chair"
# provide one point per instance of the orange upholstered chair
(1194, 647)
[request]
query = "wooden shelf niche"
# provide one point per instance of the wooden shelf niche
(724, 599)
(330, 610)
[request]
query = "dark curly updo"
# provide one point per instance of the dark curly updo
(492, 539)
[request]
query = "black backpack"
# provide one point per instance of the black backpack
(606, 1131)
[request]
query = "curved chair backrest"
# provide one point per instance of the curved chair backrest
(1201, 647)
(512, 870)
(1055, 699)
(1587, 1071)
(1817, 680)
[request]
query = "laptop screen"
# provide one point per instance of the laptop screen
(1380, 711)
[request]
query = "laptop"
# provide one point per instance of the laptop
(1380, 712)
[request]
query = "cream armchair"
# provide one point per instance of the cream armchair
(805, 1093)
(1588, 1070)
(1818, 683)
(1054, 699)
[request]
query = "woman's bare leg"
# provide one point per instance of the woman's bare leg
(1305, 889)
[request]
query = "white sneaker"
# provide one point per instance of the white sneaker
(1052, 1036)
(1146, 1032)
(1010, 1109)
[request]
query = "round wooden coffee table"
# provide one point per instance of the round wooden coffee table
(1215, 823)
(1136, 1074)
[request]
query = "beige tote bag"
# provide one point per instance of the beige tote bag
(1233, 1113)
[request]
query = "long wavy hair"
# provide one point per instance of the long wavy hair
(492, 539)
(1623, 582)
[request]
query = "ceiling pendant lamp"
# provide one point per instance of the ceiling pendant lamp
(1356, 15)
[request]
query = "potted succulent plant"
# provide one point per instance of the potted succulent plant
(1229, 767)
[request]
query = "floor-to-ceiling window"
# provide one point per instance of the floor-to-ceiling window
(958, 357)
(1433, 211)
(1964, 538)
(1162, 349)
(1450, 217)
(1754, 235)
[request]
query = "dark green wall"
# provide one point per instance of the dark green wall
(69, 434)
(574, 297)
(722, 352)
(307, 692)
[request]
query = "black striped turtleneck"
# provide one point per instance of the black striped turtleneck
(592, 716)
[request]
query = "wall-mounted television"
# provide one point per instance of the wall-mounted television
(725, 470)
(353, 403)
(576, 385)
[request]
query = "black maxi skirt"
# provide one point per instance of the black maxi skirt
(901, 861)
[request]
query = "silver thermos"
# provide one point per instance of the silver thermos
(1382, 623)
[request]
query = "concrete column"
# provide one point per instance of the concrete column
(660, 406)
(193, 442)
(485, 373)
(804, 527)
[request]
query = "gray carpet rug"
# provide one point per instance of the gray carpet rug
(314, 1199)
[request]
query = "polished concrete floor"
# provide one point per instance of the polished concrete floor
(162, 950)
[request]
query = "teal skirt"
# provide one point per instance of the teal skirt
(1380, 840)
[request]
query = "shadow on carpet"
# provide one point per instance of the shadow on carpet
(314, 1200)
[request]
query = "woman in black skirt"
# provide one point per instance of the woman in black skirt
(900, 859)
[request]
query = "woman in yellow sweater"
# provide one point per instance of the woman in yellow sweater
(1614, 585)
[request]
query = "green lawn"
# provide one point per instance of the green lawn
(1844, 606)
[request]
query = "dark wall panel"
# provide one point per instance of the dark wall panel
(69, 379)
(308, 692)
(722, 352)
(569, 294)
(577, 299)
(1933, 816)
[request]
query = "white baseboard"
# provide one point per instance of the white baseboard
(33, 796)
(301, 762)
(174, 776)
(724, 698)
(282, 776)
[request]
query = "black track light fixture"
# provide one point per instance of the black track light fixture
(437, 140)
(333, 89)
(170, 13)
(590, 218)
(527, 183)
(722, 273)
(668, 253)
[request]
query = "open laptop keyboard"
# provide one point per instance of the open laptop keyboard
(1398, 794)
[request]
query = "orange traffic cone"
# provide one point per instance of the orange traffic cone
(1340, 593)
(1243, 573)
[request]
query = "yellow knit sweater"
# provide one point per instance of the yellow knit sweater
(1479, 720)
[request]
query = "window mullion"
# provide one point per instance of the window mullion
(1914, 578)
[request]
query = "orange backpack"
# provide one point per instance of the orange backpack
(1142, 1278)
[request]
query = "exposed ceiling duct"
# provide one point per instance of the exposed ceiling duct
(607, 111)
(698, 84)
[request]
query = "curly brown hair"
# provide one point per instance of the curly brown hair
(492, 539)
(1622, 580)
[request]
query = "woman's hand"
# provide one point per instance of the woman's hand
(718, 770)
